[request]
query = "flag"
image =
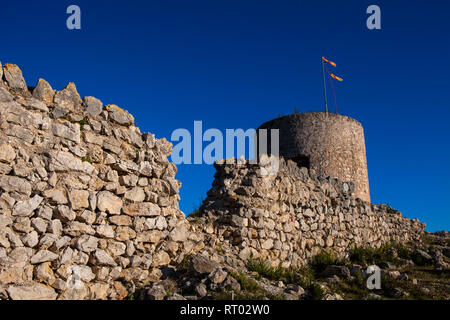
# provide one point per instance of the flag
(336, 77)
(330, 62)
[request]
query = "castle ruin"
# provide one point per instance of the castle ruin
(89, 204)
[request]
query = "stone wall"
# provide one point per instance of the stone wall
(88, 204)
(291, 215)
(334, 145)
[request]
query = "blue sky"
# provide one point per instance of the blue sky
(237, 64)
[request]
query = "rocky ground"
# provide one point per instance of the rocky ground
(418, 270)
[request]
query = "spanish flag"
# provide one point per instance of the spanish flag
(330, 62)
(336, 77)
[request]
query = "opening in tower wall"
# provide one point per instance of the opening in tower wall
(302, 161)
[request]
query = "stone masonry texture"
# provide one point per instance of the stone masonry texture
(89, 204)
(289, 216)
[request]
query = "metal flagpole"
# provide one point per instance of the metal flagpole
(334, 92)
(324, 87)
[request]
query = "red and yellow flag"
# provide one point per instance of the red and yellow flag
(336, 77)
(330, 62)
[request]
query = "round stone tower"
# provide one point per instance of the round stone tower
(331, 144)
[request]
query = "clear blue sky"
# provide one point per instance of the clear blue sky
(236, 64)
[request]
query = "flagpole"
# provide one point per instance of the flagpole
(334, 94)
(324, 87)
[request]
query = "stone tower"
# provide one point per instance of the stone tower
(331, 144)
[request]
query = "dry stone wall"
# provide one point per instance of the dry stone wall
(88, 203)
(289, 216)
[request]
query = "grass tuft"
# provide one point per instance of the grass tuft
(86, 159)
(323, 259)
(384, 253)
(82, 122)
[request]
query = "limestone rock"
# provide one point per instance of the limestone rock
(88, 216)
(35, 104)
(62, 242)
(201, 290)
(47, 241)
(393, 274)
(135, 195)
(153, 236)
(5, 221)
(179, 234)
(75, 228)
(121, 220)
(26, 207)
(98, 291)
(84, 273)
(59, 112)
(79, 199)
(161, 259)
(340, 271)
(64, 213)
(39, 224)
(65, 162)
(143, 209)
(124, 233)
(267, 244)
(15, 184)
(218, 276)
(43, 92)
(156, 292)
(160, 223)
(87, 243)
(7, 153)
(202, 265)
(31, 239)
(56, 196)
(32, 292)
(102, 258)
(16, 275)
(116, 248)
(67, 130)
(119, 115)
(93, 106)
(145, 169)
(5, 96)
(43, 256)
(13, 76)
(68, 97)
(44, 273)
(91, 137)
(105, 231)
(108, 202)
